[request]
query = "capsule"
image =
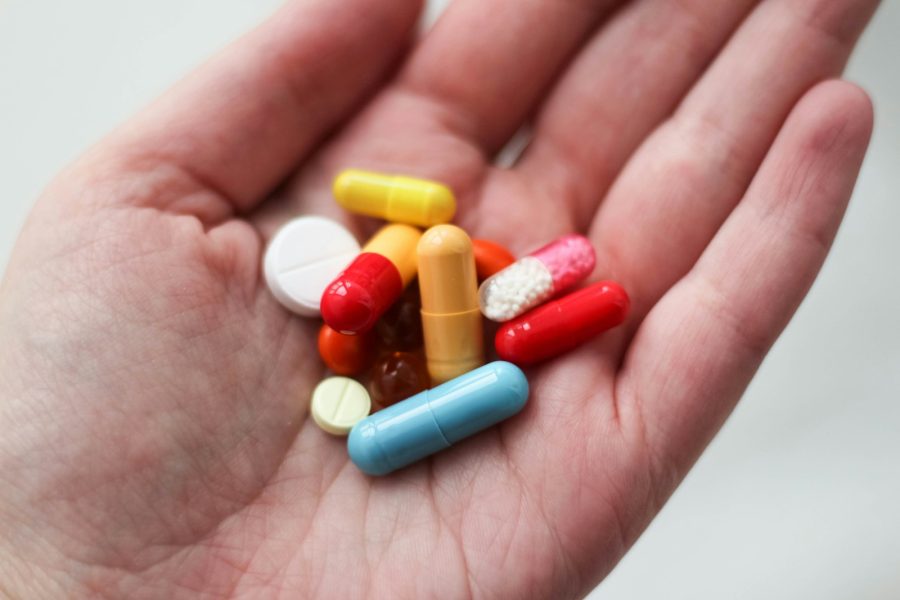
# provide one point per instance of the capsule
(375, 280)
(396, 376)
(400, 328)
(438, 418)
(563, 324)
(346, 354)
(490, 258)
(394, 198)
(451, 321)
(535, 278)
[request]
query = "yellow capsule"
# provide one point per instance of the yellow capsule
(397, 243)
(451, 319)
(394, 198)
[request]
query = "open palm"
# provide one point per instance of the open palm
(154, 397)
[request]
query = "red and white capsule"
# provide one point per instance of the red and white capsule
(563, 324)
(535, 278)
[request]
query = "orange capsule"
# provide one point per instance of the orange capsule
(346, 354)
(451, 319)
(490, 258)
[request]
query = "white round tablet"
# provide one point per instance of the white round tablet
(339, 403)
(303, 258)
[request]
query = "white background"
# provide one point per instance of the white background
(798, 495)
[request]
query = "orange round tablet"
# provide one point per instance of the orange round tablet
(346, 354)
(490, 258)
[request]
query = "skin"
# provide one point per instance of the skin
(153, 396)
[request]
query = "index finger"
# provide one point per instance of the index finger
(238, 125)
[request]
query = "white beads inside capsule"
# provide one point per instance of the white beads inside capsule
(523, 285)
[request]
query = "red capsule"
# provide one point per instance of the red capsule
(373, 281)
(355, 300)
(563, 324)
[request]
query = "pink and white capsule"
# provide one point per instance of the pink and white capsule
(535, 278)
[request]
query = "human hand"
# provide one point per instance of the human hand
(154, 396)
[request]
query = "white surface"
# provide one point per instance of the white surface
(796, 498)
(303, 258)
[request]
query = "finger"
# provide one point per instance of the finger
(681, 185)
(486, 64)
(464, 92)
(697, 350)
(617, 91)
(238, 125)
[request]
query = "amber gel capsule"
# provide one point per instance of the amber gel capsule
(451, 319)
(394, 198)
(400, 328)
(397, 376)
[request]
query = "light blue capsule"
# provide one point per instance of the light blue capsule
(437, 418)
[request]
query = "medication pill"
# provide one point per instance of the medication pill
(339, 403)
(490, 258)
(346, 354)
(397, 376)
(451, 320)
(562, 324)
(400, 328)
(537, 277)
(394, 198)
(303, 258)
(368, 287)
(438, 418)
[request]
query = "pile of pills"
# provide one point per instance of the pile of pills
(410, 374)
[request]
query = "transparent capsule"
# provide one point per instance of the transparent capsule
(397, 376)
(400, 328)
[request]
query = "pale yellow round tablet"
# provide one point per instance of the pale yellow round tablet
(338, 403)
